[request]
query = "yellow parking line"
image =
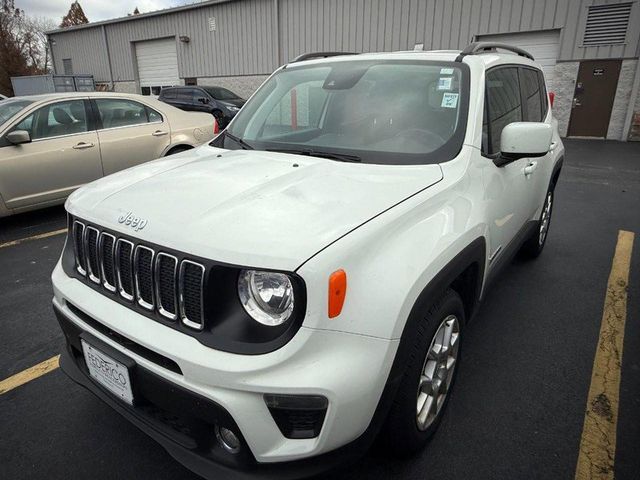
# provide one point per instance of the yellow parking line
(29, 374)
(34, 237)
(598, 443)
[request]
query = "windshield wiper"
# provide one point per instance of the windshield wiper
(342, 157)
(239, 141)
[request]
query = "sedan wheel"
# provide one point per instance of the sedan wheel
(437, 372)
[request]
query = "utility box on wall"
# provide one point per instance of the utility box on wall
(39, 84)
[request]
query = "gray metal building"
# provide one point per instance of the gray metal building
(589, 48)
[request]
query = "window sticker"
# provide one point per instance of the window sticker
(446, 71)
(444, 83)
(449, 100)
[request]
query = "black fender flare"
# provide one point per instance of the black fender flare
(474, 253)
(555, 173)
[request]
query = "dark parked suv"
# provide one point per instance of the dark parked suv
(220, 102)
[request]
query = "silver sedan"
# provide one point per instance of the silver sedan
(52, 144)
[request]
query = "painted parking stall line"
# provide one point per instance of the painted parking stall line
(40, 236)
(597, 452)
(29, 374)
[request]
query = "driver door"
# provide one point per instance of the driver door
(63, 154)
(508, 188)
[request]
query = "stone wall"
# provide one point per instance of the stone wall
(563, 84)
(634, 131)
(621, 101)
(242, 85)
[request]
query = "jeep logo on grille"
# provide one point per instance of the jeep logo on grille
(132, 221)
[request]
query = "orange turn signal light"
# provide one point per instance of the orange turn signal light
(337, 292)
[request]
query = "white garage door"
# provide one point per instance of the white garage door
(544, 46)
(157, 63)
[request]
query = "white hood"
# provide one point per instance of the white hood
(246, 207)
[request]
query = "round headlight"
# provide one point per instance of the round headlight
(266, 296)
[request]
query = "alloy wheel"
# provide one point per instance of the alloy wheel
(545, 219)
(437, 372)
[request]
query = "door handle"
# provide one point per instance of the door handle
(529, 169)
(83, 145)
(159, 133)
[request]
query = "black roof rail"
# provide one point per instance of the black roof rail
(312, 55)
(477, 48)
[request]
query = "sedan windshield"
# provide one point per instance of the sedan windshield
(8, 108)
(382, 111)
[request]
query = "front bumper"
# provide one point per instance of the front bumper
(350, 370)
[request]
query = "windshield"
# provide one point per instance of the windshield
(383, 111)
(8, 108)
(220, 93)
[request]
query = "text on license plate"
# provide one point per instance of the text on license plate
(108, 373)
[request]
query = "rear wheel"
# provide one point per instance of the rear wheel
(533, 247)
(424, 390)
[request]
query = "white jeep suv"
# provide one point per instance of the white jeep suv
(266, 305)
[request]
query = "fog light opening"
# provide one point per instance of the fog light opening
(228, 440)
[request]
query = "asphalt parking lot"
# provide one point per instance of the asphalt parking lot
(518, 407)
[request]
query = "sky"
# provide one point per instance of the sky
(95, 10)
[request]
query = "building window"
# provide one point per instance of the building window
(153, 90)
(67, 66)
(606, 24)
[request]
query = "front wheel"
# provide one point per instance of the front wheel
(424, 390)
(533, 247)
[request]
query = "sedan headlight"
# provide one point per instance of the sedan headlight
(266, 296)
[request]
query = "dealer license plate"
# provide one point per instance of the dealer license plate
(108, 373)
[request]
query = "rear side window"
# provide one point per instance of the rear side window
(503, 106)
(115, 112)
(532, 96)
(544, 99)
(186, 95)
(168, 93)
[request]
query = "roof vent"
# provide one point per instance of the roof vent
(607, 24)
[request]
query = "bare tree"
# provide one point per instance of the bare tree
(38, 26)
(19, 54)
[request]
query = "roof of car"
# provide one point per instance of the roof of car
(487, 59)
(61, 95)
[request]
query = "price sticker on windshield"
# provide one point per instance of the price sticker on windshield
(449, 100)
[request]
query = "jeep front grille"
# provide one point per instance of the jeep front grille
(166, 269)
(124, 268)
(107, 266)
(157, 281)
(190, 293)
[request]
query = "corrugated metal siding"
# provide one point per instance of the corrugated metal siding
(386, 25)
(245, 39)
(86, 50)
(242, 43)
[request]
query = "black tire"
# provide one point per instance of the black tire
(178, 149)
(533, 246)
(401, 435)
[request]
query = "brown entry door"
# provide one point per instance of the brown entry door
(593, 98)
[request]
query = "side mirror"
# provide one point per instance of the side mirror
(18, 137)
(524, 139)
(204, 100)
